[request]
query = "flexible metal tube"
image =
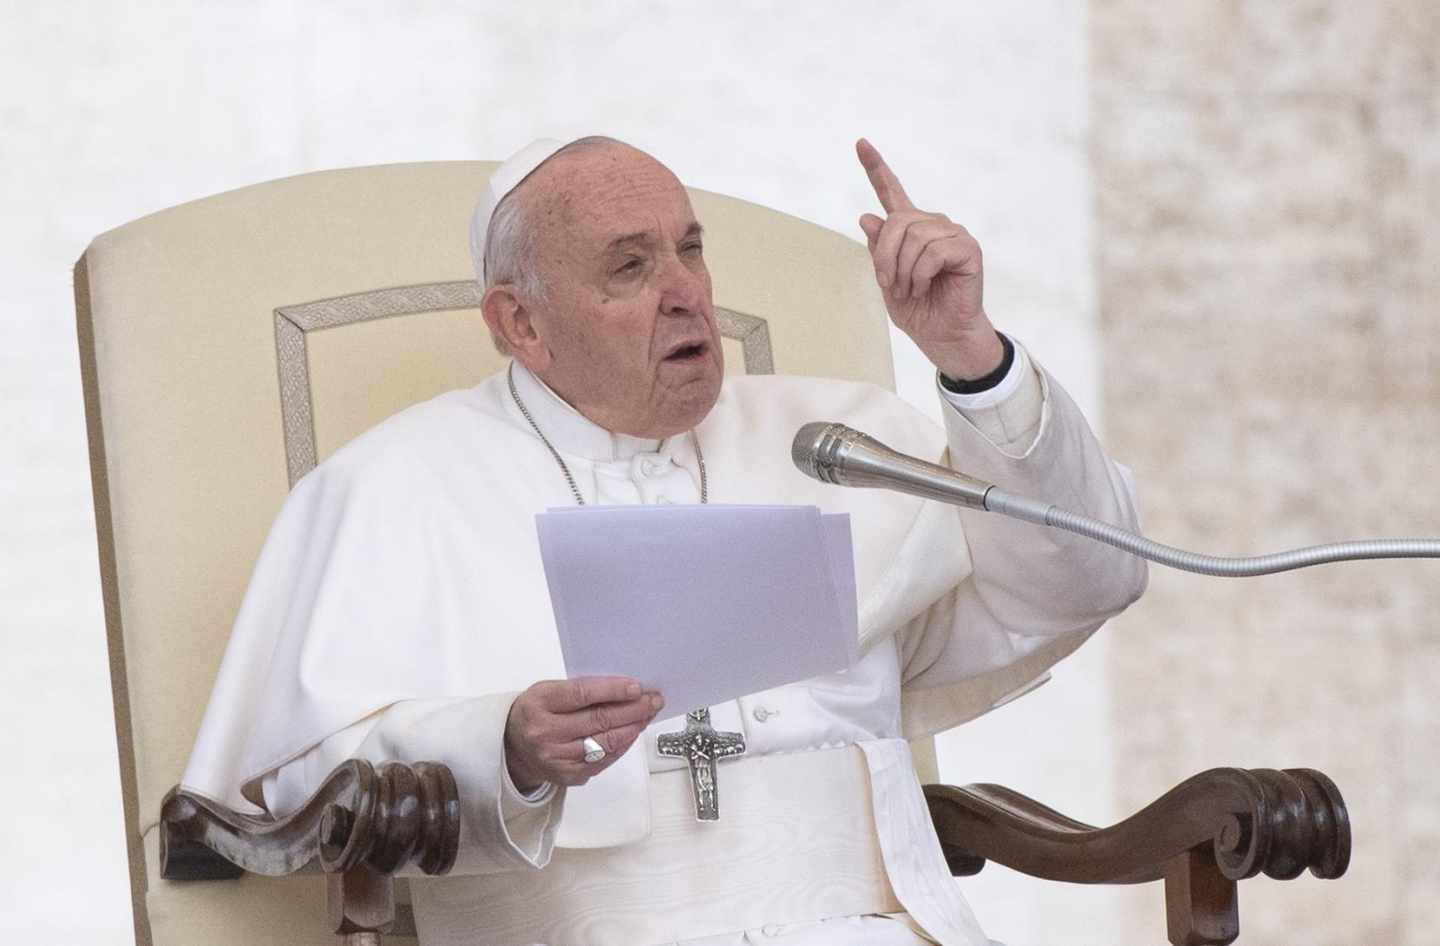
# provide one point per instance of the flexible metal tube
(1220, 566)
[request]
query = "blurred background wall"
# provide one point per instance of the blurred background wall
(1250, 193)
(1267, 180)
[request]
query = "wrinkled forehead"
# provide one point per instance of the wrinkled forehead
(597, 194)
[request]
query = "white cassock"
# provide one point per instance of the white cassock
(399, 605)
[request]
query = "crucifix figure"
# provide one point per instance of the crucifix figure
(702, 746)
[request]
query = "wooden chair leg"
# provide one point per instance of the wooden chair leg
(362, 905)
(1201, 903)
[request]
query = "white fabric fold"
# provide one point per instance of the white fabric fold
(501, 829)
(913, 859)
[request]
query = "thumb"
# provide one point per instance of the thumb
(871, 224)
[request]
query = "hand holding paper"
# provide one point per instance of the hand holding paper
(547, 724)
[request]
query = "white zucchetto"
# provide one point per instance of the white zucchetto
(506, 178)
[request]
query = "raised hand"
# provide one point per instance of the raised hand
(548, 723)
(930, 272)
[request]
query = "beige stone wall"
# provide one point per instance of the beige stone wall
(1268, 261)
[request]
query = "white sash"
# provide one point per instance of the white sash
(802, 837)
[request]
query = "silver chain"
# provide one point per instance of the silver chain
(575, 490)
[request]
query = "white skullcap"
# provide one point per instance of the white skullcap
(506, 178)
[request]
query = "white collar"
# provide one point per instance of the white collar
(571, 432)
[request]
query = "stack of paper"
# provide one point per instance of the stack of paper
(703, 603)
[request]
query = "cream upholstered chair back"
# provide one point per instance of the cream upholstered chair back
(229, 344)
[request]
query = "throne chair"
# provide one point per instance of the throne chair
(229, 344)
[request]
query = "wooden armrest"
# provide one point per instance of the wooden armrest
(1202, 837)
(1212, 830)
(359, 827)
(358, 817)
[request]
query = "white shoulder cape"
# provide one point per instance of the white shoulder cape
(406, 566)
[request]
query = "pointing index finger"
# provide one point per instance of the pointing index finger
(887, 186)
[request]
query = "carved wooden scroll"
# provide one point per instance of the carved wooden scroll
(359, 827)
(1202, 837)
(1212, 830)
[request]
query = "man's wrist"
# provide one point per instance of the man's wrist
(960, 384)
(524, 786)
(523, 783)
(526, 783)
(975, 353)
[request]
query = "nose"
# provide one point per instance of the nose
(683, 288)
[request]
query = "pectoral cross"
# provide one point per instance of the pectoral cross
(702, 746)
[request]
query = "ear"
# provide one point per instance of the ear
(510, 320)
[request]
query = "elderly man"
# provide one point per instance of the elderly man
(417, 539)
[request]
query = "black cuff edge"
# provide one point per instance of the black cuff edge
(979, 385)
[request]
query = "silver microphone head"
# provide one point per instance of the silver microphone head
(813, 449)
(842, 456)
(821, 448)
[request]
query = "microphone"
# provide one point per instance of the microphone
(839, 455)
(835, 454)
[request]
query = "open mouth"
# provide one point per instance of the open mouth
(691, 351)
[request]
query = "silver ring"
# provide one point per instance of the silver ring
(594, 752)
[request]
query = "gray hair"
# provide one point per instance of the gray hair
(510, 244)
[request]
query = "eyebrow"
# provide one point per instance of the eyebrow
(643, 237)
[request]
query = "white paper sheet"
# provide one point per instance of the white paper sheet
(703, 603)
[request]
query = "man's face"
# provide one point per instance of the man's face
(627, 331)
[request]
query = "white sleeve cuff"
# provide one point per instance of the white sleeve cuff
(500, 828)
(991, 396)
(1009, 416)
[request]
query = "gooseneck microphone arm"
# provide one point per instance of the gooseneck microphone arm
(834, 453)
